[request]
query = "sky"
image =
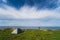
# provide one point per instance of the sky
(30, 13)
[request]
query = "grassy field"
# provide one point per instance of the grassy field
(30, 35)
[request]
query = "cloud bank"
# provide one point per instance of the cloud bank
(27, 12)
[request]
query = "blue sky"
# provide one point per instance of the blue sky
(29, 13)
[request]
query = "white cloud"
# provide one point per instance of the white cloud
(27, 12)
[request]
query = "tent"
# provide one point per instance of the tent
(16, 31)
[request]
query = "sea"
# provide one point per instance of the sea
(32, 27)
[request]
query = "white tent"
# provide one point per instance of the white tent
(16, 31)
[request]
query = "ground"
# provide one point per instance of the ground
(30, 35)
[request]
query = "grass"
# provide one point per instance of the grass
(30, 35)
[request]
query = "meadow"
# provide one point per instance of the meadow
(30, 35)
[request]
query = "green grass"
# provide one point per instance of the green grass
(30, 35)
